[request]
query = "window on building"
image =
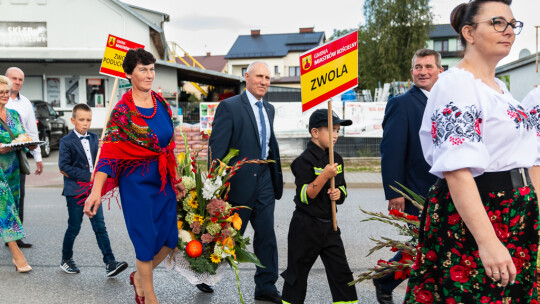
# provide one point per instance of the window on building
(95, 92)
(276, 70)
(72, 91)
(460, 46)
(440, 45)
(53, 91)
(244, 71)
(294, 71)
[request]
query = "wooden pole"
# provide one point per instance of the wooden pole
(537, 48)
(331, 156)
(111, 102)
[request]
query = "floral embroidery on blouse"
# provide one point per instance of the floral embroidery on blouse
(454, 125)
(519, 116)
(534, 117)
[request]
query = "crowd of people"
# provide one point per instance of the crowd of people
(457, 137)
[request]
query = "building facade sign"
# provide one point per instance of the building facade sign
(23, 34)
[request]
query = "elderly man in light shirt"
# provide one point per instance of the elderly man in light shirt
(25, 109)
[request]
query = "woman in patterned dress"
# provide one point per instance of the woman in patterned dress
(137, 156)
(11, 228)
(478, 239)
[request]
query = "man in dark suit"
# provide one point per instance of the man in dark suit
(402, 160)
(245, 122)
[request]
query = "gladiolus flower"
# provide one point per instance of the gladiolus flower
(180, 157)
(236, 221)
(231, 252)
(228, 242)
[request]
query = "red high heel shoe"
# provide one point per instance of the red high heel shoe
(138, 299)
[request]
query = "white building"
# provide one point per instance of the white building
(59, 44)
(521, 76)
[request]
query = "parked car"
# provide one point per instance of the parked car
(51, 127)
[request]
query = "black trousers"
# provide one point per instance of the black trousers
(309, 238)
(261, 217)
(21, 196)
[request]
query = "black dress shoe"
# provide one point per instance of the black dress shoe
(383, 296)
(22, 244)
(274, 297)
(205, 288)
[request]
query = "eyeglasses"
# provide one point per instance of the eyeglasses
(4, 93)
(500, 24)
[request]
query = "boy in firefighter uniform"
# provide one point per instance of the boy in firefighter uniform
(311, 233)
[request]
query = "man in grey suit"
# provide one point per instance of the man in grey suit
(245, 122)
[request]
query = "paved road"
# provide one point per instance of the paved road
(45, 223)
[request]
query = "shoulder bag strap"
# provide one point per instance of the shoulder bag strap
(3, 123)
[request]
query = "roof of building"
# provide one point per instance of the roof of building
(288, 79)
(273, 45)
(158, 36)
(202, 76)
(442, 31)
(516, 64)
(130, 9)
(209, 62)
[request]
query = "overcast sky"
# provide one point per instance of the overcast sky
(213, 26)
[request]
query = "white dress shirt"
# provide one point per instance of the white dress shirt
(86, 145)
(25, 109)
(468, 124)
(253, 101)
(531, 103)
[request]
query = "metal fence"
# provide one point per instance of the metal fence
(292, 147)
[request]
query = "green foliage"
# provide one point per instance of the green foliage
(393, 31)
(201, 264)
(338, 33)
(244, 256)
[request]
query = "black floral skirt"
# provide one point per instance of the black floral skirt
(448, 268)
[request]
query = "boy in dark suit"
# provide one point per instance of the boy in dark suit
(311, 233)
(78, 152)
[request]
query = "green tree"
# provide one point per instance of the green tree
(338, 33)
(393, 31)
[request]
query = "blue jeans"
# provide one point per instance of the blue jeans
(75, 213)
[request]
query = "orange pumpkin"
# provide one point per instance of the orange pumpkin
(194, 249)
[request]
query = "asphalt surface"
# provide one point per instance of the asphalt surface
(46, 221)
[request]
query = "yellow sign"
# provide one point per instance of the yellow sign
(115, 51)
(329, 70)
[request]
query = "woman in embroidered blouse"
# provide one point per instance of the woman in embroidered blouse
(137, 156)
(11, 228)
(478, 241)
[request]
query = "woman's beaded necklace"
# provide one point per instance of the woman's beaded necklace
(141, 114)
